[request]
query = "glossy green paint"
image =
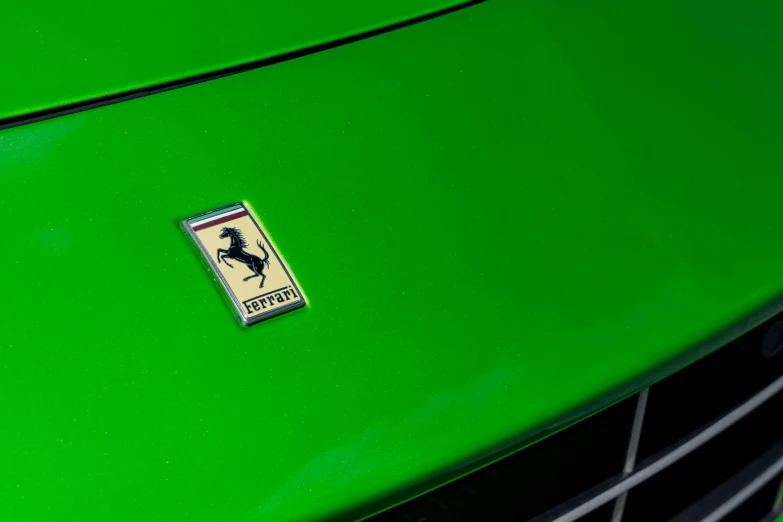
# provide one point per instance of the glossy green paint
(498, 216)
(56, 53)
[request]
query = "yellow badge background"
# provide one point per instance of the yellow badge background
(276, 275)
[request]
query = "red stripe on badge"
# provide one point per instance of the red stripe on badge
(218, 221)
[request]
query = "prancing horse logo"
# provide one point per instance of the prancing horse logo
(235, 251)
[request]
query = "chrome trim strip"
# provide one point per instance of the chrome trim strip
(742, 495)
(636, 431)
(633, 447)
(734, 490)
(613, 488)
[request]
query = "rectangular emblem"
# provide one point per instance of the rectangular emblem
(257, 282)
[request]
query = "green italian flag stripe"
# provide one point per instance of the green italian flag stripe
(218, 216)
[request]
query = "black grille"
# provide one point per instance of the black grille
(499, 484)
(710, 448)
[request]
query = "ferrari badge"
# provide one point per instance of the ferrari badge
(257, 282)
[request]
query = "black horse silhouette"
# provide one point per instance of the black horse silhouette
(254, 263)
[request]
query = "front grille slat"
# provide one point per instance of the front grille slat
(633, 448)
(705, 468)
(573, 510)
(685, 444)
(721, 501)
(756, 507)
(692, 397)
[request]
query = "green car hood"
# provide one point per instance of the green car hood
(57, 53)
(502, 219)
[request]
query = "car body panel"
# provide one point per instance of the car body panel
(499, 217)
(60, 53)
